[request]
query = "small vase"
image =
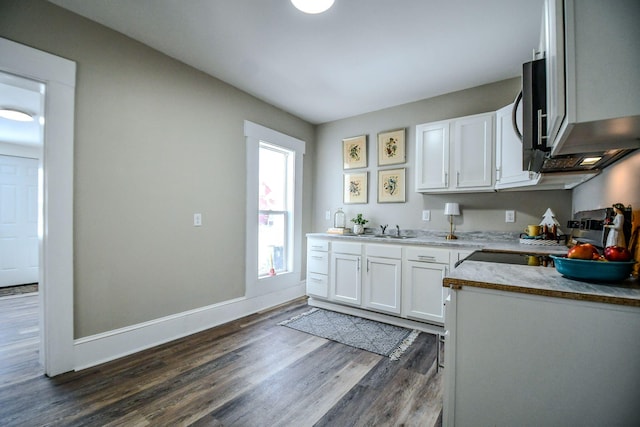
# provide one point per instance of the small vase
(358, 229)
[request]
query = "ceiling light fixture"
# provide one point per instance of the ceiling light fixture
(312, 6)
(15, 114)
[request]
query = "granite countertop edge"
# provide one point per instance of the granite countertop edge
(541, 281)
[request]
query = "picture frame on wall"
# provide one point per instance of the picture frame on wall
(355, 187)
(354, 152)
(391, 147)
(391, 186)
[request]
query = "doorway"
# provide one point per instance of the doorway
(55, 173)
(21, 133)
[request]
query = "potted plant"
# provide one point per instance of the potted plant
(359, 222)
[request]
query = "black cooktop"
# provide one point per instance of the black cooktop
(511, 258)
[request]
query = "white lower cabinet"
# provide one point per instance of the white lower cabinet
(346, 273)
(404, 281)
(423, 294)
(318, 268)
(383, 279)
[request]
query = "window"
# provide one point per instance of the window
(274, 209)
(274, 203)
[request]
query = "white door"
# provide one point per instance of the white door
(18, 221)
(382, 289)
(345, 278)
(473, 151)
(423, 294)
(432, 156)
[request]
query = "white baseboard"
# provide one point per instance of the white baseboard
(111, 345)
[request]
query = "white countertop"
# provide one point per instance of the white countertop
(496, 241)
(545, 281)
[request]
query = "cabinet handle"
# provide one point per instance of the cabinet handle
(457, 178)
(439, 361)
(497, 174)
(316, 257)
(426, 258)
(446, 179)
(317, 247)
(313, 279)
(540, 137)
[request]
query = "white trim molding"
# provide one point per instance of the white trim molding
(55, 200)
(100, 348)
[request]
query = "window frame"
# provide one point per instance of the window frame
(255, 135)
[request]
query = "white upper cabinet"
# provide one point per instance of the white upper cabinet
(509, 171)
(455, 155)
(592, 58)
(432, 156)
(473, 151)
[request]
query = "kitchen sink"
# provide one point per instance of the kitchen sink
(391, 236)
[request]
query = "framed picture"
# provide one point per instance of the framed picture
(354, 152)
(391, 186)
(355, 187)
(391, 148)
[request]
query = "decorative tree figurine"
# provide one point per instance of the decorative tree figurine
(549, 219)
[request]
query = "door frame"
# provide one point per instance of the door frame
(55, 229)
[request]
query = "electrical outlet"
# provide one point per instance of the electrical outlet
(509, 216)
(327, 215)
(197, 219)
(426, 215)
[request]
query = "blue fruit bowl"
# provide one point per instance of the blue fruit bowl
(593, 271)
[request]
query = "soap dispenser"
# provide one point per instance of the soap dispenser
(338, 219)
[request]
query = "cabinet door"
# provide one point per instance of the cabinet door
(383, 284)
(432, 156)
(345, 279)
(473, 152)
(555, 64)
(509, 170)
(422, 291)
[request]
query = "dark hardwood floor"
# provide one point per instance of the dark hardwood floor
(250, 372)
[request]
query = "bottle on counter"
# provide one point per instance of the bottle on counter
(339, 219)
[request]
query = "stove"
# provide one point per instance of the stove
(536, 260)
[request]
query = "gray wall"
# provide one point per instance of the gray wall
(619, 183)
(481, 211)
(155, 141)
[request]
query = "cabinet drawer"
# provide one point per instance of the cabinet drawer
(384, 251)
(347, 248)
(317, 245)
(318, 285)
(440, 256)
(318, 262)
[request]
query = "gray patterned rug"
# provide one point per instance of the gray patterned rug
(380, 338)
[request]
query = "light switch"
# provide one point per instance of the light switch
(509, 216)
(426, 215)
(197, 219)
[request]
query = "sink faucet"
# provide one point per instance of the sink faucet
(383, 227)
(398, 230)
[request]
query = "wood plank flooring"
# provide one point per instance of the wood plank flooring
(250, 372)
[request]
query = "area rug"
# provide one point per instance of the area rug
(380, 338)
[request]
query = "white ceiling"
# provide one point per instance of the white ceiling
(360, 56)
